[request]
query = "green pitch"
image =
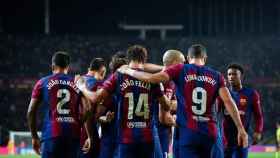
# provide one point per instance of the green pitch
(251, 155)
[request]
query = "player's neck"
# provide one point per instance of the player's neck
(60, 71)
(136, 65)
(198, 62)
(236, 87)
(95, 74)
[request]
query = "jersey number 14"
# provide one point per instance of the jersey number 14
(142, 106)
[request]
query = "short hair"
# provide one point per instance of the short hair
(197, 51)
(96, 64)
(137, 53)
(117, 61)
(172, 55)
(61, 59)
(236, 66)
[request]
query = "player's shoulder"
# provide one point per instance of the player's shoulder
(250, 90)
(210, 70)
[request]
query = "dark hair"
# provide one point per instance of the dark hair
(236, 66)
(61, 59)
(137, 53)
(197, 51)
(117, 61)
(96, 64)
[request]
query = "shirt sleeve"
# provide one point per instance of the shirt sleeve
(220, 104)
(37, 90)
(110, 84)
(222, 81)
(157, 91)
(257, 110)
(174, 71)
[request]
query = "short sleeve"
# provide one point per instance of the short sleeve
(174, 71)
(157, 91)
(37, 90)
(110, 84)
(222, 81)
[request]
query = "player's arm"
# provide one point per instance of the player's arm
(257, 110)
(233, 111)
(145, 76)
(165, 116)
(173, 104)
(152, 68)
(32, 122)
(88, 119)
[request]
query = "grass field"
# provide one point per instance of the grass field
(251, 155)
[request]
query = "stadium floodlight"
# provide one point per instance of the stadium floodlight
(144, 28)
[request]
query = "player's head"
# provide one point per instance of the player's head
(98, 65)
(197, 52)
(117, 61)
(234, 74)
(61, 61)
(171, 57)
(137, 53)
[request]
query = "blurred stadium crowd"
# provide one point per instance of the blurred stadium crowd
(24, 59)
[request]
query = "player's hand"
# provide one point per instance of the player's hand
(108, 118)
(123, 69)
(256, 137)
(36, 144)
(87, 145)
(242, 138)
(80, 82)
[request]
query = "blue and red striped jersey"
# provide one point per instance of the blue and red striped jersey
(248, 104)
(60, 103)
(135, 100)
(92, 84)
(197, 90)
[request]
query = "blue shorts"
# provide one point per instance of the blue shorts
(60, 147)
(176, 143)
(236, 152)
(135, 150)
(107, 148)
(197, 145)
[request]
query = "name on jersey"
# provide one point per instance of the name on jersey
(207, 79)
(129, 83)
(62, 82)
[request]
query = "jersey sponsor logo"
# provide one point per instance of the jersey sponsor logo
(136, 124)
(206, 79)
(243, 101)
(201, 118)
(65, 119)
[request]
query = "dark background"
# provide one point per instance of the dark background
(199, 17)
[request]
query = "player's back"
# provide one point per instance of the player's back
(61, 99)
(197, 90)
(136, 101)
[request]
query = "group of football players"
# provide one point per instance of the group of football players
(143, 110)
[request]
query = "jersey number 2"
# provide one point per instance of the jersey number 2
(142, 102)
(64, 96)
(199, 99)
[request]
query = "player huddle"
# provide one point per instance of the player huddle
(144, 109)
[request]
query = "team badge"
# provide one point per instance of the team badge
(243, 101)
